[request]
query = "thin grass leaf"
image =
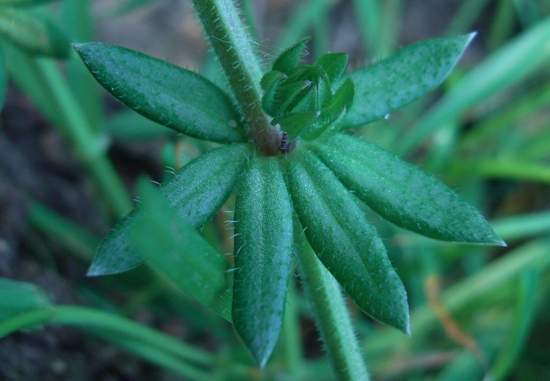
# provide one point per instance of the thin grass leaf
(19, 297)
(518, 58)
(129, 125)
(24, 3)
(33, 33)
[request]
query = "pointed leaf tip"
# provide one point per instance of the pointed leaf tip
(345, 242)
(402, 193)
(263, 257)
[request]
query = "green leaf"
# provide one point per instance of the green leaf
(196, 191)
(128, 125)
(174, 247)
(270, 79)
(169, 95)
(33, 33)
(24, 3)
(19, 297)
(339, 103)
(3, 79)
(289, 95)
(290, 58)
(349, 247)
(294, 123)
(263, 256)
(333, 64)
(402, 193)
(415, 70)
(270, 84)
(508, 66)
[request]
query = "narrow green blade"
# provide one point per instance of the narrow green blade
(345, 242)
(174, 247)
(19, 297)
(171, 96)
(196, 191)
(263, 254)
(33, 33)
(415, 70)
(402, 193)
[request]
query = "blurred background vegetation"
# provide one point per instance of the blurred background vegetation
(70, 156)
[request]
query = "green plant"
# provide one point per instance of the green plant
(304, 157)
(285, 152)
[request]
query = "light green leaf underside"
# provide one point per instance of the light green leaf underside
(177, 250)
(345, 242)
(196, 191)
(415, 70)
(169, 95)
(402, 193)
(263, 256)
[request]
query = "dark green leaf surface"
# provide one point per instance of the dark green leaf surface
(345, 242)
(294, 123)
(33, 33)
(129, 125)
(290, 58)
(23, 2)
(263, 254)
(19, 297)
(334, 64)
(415, 70)
(341, 100)
(174, 247)
(169, 95)
(196, 191)
(402, 193)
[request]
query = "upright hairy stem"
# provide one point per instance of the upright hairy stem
(233, 47)
(331, 316)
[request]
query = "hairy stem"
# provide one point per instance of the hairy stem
(331, 315)
(233, 46)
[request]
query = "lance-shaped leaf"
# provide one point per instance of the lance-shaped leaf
(345, 242)
(290, 58)
(169, 95)
(263, 253)
(270, 82)
(196, 191)
(175, 248)
(341, 100)
(333, 64)
(415, 70)
(33, 33)
(402, 193)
